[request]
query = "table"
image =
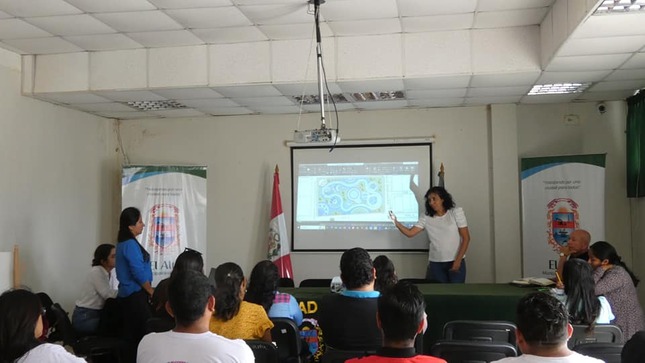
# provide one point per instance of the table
(444, 303)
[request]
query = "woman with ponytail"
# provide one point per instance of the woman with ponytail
(96, 288)
(618, 284)
(134, 271)
(235, 318)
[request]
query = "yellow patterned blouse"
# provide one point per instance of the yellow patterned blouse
(250, 323)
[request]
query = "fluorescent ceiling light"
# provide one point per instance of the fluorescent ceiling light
(620, 6)
(558, 88)
(378, 96)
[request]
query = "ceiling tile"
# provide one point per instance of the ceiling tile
(103, 107)
(209, 104)
(626, 74)
(172, 38)
(471, 101)
(275, 109)
(605, 95)
(278, 14)
(4, 15)
(188, 93)
(365, 27)
(104, 42)
(298, 89)
(571, 77)
(72, 97)
(636, 61)
(93, 6)
(381, 105)
(498, 91)
(372, 85)
(504, 79)
(563, 98)
(420, 8)
(263, 101)
(230, 35)
(186, 4)
(495, 5)
(139, 21)
(608, 45)
(437, 102)
(359, 10)
(83, 24)
(329, 108)
(436, 93)
(509, 18)
(618, 85)
(127, 96)
(125, 115)
(27, 8)
(294, 31)
(248, 91)
(17, 29)
(43, 45)
(440, 82)
(206, 18)
(11, 49)
(611, 26)
(229, 111)
(418, 24)
(587, 63)
(184, 112)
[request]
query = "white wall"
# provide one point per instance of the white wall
(59, 179)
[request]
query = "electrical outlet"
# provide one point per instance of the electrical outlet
(572, 120)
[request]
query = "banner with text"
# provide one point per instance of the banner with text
(559, 195)
(172, 201)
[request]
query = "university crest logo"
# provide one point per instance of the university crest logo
(163, 228)
(562, 219)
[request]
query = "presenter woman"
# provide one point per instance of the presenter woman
(95, 290)
(134, 273)
(448, 234)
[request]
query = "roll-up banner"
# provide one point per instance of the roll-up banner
(559, 195)
(172, 201)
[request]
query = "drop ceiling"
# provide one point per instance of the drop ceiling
(233, 57)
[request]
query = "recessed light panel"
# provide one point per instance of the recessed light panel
(620, 6)
(156, 105)
(558, 88)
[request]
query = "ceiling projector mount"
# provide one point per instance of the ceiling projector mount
(323, 134)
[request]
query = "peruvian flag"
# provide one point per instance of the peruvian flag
(278, 239)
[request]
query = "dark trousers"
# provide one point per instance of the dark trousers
(440, 272)
(136, 312)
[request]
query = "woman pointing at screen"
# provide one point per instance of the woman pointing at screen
(448, 234)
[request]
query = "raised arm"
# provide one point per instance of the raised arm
(408, 232)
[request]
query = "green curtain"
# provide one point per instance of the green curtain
(636, 145)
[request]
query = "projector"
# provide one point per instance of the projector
(322, 135)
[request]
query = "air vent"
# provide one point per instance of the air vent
(156, 105)
(620, 6)
(558, 88)
(378, 96)
(314, 99)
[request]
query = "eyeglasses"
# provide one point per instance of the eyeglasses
(192, 250)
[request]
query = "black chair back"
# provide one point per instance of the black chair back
(285, 282)
(315, 283)
(64, 325)
(333, 355)
(608, 352)
(159, 325)
(286, 335)
(264, 352)
(461, 351)
(604, 333)
(481, 330)
(417, 281)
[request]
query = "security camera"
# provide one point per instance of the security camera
(602, 108)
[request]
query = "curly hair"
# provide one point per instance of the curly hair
(441, 192)
(356, 268)
(385, 274)
(263, 284)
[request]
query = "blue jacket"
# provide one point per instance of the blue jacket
(131, 270)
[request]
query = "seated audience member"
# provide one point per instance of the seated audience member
(634, 349)
(263, 290)
(618, 284)
(577, 247)
(400, 316)
(191, 303)
(348, 319)
(235, 318)
(21, 323)
(95, 290)
(187, 260)
(583, 306)
(385, 273)
(543, 330)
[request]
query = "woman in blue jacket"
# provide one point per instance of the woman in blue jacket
(134, 273)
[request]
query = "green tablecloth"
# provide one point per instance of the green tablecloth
(444, 302)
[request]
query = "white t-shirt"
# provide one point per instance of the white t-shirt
(96, 288)
(528, 358)
(49, 353)
(443, 233)
(192, 348)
